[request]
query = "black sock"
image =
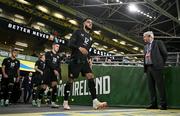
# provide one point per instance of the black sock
(10, 90)
(67, 90)
(92, 88)
(54, 93)
(41, 93)
(35, 94)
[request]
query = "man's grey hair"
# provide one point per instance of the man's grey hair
(150, 33)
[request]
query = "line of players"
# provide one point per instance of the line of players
(48, 71)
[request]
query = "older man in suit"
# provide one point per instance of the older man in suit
(155, 55)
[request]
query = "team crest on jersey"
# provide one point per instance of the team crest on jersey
(82, 34)
(12, 64)
(54, 59)
(86, 40)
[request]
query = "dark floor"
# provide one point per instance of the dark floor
(45, 110)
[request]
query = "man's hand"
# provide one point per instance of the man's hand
(5, 75)
(56, 72)
(83, 50)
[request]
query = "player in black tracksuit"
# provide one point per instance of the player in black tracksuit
(80, 44)
(38, 88)
(10, 71)
(52, 71)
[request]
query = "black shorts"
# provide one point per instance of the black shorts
(49, 77)
(75, 67)
(7, 81)
(37, 80)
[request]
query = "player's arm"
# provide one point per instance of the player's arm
(3, 68)
(36, 68)
(74, 40)
(18, 71)
(163, 50)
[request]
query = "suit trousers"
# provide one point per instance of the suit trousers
(155, 79)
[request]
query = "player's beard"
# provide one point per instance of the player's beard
(87, 28)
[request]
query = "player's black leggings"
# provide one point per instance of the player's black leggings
(6, 88)
(91, 85)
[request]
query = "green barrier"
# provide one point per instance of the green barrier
(122, 86)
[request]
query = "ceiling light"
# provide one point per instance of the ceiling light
(96, 43)
(73, 22)
(19, 49)
(21, 44)
(97, 32)
(40, 24)
(129, 44)
(19, 16)
(115, 50)
(58, 15)
(135, 48)
(122, 52)
(133, 8)
(123, 42)
(115, 40)
(68, 36)
(105, 47)
(18, 20)
(43, 9)
(23, 2)
(141, 51)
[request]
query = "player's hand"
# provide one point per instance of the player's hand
(90, 63)
(17, 79)
(83, 50)
(5, 76)
(56, 72)
(41, 73)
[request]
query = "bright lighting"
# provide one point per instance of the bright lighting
(23, 2)
(97, 32)
(133, 8)
(123, 42)
(73, 22)
(122, 52)
(135, 48)
(18, 21)
(19, 49)
(96, 43)
(105, 47)
(68, 36)
(58, 15)
(40, 24)
(21, 44)
(115, 40)
(19, 16)
(115, 50)
(43, 9)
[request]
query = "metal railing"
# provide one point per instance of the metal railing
(133, 60)
(115, 60)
